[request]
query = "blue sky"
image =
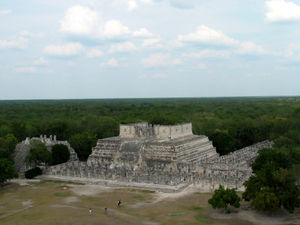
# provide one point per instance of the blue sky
(148, 48)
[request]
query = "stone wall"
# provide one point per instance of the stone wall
(144, 129)
(135, 130)
(174, 131)
(22, 149)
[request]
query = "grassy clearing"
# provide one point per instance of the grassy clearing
(49, 204)
(139, 197)
(62, 194)
(202, 219)
(195, 208)
(63, 182)
(145, 191)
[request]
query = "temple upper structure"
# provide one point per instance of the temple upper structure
(143, 129)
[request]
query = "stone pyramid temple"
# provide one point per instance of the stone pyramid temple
(161, 154)
(140, 144)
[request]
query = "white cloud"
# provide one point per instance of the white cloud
(182, 4)
(94, 52)
(160, 60)
(293, 51)
(160, 76)
(281, 10)
(40, 62)
(201, 66)
(69, 49)
(249, 47)
(176, 44)
(26, 33)
(5, 12)
(143, 32)
(19, 42)
(79, 20)
(132, 5)
(209, 53)
(110, 63)
(27, 69)
(175, 62)
(70, 63)
(152, 42)
(207, 35)
(114, 28)
(147, 1)
(122, 47)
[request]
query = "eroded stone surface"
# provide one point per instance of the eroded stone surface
(167, 155)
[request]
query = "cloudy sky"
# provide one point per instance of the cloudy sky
(148, 48)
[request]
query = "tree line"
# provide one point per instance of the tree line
(231, 123)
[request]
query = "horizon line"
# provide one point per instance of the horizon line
(132, 98)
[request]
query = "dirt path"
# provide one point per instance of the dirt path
(257, 218)
(89, 189)
(160, 196)
(15, 212)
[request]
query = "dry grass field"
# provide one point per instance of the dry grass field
(59, 202)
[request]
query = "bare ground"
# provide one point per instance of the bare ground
(35, 202)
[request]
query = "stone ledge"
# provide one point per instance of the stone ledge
(114, 183)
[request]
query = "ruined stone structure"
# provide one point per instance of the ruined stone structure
(22, 149)
(167, 155)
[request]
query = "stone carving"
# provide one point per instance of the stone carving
(169, 155)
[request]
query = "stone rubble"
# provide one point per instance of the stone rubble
(22, 149)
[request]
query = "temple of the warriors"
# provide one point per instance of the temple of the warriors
(160, 154)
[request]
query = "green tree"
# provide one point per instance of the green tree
(60, 154)
(7, 146)
(273, 184)
(222, 198)
(223, 142)
(266, 199)
(245, 136)
(7, 170)
(19, 129)
(8, 143)
(283, 141)
(38, 154)
(60, 128)
(107, 127)
(83, 143)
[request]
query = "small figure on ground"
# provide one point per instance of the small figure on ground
(105, 210)
(119, 203)
(90, 211)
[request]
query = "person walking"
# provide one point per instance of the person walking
(90, 211)
(119, 203)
